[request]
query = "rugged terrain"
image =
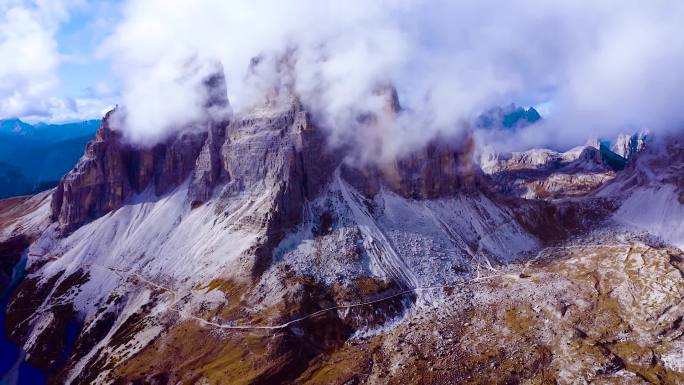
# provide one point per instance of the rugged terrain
(247, 250)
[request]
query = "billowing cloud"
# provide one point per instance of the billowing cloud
(29, 71)
(604, 67)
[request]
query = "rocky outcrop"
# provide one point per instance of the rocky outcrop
(281, 154)
(546, 174)
(628, 145)
(442, 168)
(208, 171)
(112, 170)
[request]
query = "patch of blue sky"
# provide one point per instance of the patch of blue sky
(84, 72)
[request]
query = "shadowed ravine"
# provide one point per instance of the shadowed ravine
(13, 367)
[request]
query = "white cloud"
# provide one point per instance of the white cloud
(59, 110)
(29, 70)
(604, 66)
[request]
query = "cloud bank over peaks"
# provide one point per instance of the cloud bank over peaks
(172, 97)
(604, 67)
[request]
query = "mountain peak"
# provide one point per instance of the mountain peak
(509, 117)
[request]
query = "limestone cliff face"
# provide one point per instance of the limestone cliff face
(277, 148)
(441, 169)
(112, 170)
(278, 153)
(208, 171)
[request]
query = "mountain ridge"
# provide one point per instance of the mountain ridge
(251, 249)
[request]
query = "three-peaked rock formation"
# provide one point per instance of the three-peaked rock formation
(246, 249)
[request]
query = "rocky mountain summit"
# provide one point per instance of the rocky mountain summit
(547, 174)
(247, 249)
(628, 145)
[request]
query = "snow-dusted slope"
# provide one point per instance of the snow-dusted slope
(25, 215)
(656, 210)
(546, 174)
(162, 239)
(650, 192)
(416, 243)
(129, 252)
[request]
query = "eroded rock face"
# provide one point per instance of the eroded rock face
(546, 174)
(208, 171)
(283, 155)
(112, 170)
(442, 168)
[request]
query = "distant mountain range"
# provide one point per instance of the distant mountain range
(34, 157)
(508, 117)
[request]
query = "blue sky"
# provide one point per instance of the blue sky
(78, 40)
(85, 72)
(60, 72)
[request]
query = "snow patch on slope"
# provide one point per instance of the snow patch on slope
(162, 239)
(31, 216)
(656, 210)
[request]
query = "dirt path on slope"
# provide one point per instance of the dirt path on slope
(228, 326)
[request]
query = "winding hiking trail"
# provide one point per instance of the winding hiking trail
(127, 274)
(176, 297)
